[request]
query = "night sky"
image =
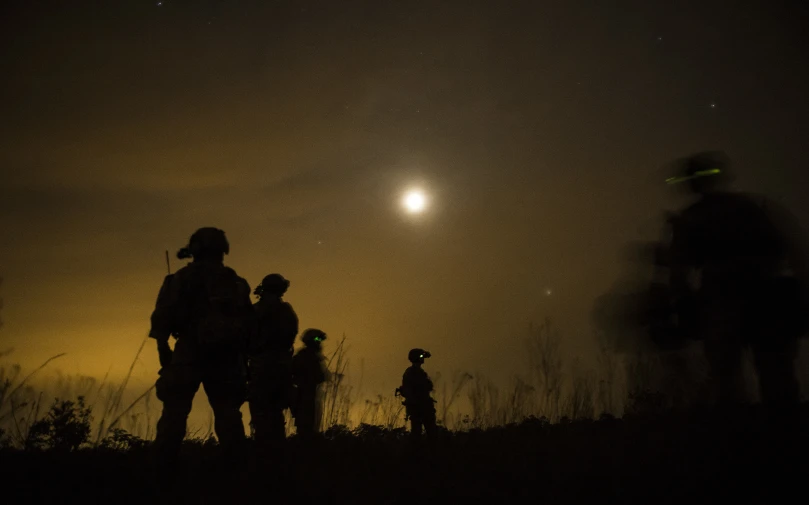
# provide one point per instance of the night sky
(539, 131)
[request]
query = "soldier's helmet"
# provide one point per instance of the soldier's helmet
(205, 241)
(417, 355)
(702, 171)
(273, 284)
(313, 336)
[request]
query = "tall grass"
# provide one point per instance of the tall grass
(546, 371)
(450, 393)
(550, 386)
(337, 397)
(21, 403)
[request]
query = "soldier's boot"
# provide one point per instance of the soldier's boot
(230, 432)
(168, 442)
(276, 427)
(430, 427)
(260, 423)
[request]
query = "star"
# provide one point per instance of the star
(712, 105)
(160, 4)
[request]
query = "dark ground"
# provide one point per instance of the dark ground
(680, 458)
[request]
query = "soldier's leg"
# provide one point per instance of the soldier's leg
(416, 424)
(317, 410)
(259, 402)
(281, 399)
(721, 332)
(273, 420)
(226, 394)
(276, 423)
(725, 360)
(268, 397)
(430, 423)
(305, 414)
(259, 418)
(176, 388)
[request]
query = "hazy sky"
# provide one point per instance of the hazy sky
(538, 128)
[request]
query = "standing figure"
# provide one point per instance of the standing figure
(416, 388)
(271, 359)
(206, 306)
(739, 258)
(308, 373)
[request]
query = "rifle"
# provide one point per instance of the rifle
(398, 394)
(164, 352)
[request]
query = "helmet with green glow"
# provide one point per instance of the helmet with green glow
(417, 355)
(313, 336)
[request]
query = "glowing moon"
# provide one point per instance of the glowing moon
(415, 201)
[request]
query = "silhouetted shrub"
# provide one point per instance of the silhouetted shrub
(369, 431)
(66, 427)
(208, 442)
(537, 422)
(374, 432)
(121, 440)
(646, 403)
(337, 431)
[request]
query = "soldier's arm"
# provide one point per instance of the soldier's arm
(163, 318)
(288, 323)
(425, 384)
(163, 315)
(297, 371)
(407, 384)
(325, 374)
(249, 316)
(294, 322)
(254, 341)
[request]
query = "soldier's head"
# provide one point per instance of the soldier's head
(273, 285)
(313, 337)
(417, 356)
(704, 172)
(206, 244)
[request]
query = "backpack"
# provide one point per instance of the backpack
(278, 326)
(223, 305)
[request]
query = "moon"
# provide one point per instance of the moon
(415, 201)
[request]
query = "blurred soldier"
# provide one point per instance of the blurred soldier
(207, 307)
(308, 373)
(271, 359)
(745, 254)
(416, 388)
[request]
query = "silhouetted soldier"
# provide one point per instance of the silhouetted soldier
(747, 254)
(416, 388)
(207, 307)
(271, 359)
(308, 373)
